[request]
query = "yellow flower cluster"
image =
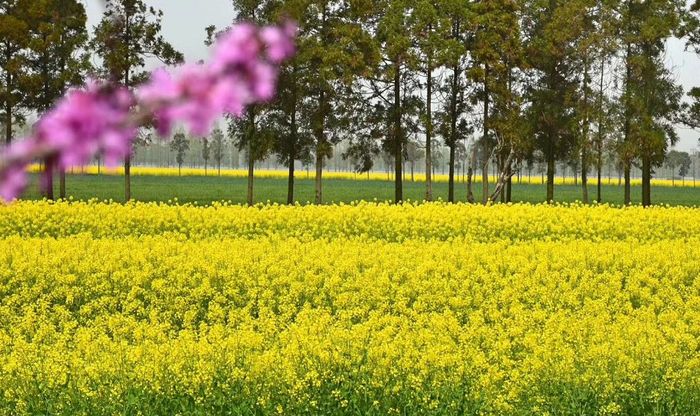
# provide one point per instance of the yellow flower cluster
(362, 220)
(370, 309)
(372, 176)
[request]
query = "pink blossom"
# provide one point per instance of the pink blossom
(279, 41)
(13, 181)
(161, 86)
(79, 125)
(239, 46)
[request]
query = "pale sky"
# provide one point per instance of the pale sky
(184, 22)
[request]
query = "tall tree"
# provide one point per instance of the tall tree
(453, 125)
(57, 60)
(292, 137)
(206, 153)
(691, 111)
(127, 35)
(218, 147)
(498, 56)
(291, 111)
(414, 153)
(253, 134)
(677, 160)
(431, 28)
(604, 45)
(651, 99)
(180, 145)
(338, 49)
(396, 68)
(585, 105)
(691, 114)
(370, 121)
(14, 39)
(553, 36)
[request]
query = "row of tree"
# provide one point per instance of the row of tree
(520, 80)
(532, 79)
(678, 164)
(212, 149)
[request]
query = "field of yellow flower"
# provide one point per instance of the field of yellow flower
(369, 309)
(372, 176)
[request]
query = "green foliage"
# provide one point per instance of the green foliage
(56, 55)
(14, 26)
(293, 138)
(691, 111)
(128, 33)
(252, 133)
(691, 116)
(551, 48)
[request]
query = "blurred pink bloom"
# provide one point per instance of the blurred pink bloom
(279, 41)
(86, 122)
(14, 179)
(238, 47)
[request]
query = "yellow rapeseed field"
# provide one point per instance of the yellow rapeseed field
(366, 308)
(372, 176)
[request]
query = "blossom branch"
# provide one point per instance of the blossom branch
(103, 118)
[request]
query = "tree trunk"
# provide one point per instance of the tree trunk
(319, 176)
(127, 160)
(291, 156)
(398, 148)
(584, 181)
(8, 105)
(485, 166)
(599, 145)
(251, 175)
(8, 123)
(47, 179)
(470, 176)
(429, 131)
(584, 136)
(62, 184)
(127, 179)
(320, 149)
(627, 122)
(550, 175)
(290, 183)
(451, 177)
(628, 185)
(646, 181)
(453, 133)
(509, 186)
(599, 185)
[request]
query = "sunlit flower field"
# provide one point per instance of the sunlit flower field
(370, 309)
(372, 176)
